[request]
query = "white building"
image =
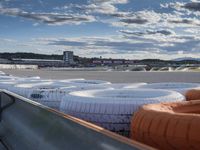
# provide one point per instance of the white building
(68, 57)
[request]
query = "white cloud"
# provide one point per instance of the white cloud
(149, 45)
(169, 31)
(103, 7)
(48, 18)
(109, 1)
(191, 8)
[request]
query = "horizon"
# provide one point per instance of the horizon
(177, 59)
(126, 29)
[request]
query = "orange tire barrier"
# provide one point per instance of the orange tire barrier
(168, 126)
(192, 95)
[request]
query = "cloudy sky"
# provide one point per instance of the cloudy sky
(133, 29)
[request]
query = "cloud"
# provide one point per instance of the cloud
(102, 7)
(7, 40)
(154, 42)
(148, 32)
(113, 44)
(187, 14)
(109, 1)
(137, 20)
(172, 29)
(48, 18)
(150, 19)
(66, 42)
(185, 21)
(144, 19)
(192, 6)
(161, 43)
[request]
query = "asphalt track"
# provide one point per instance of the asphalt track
(114, 76)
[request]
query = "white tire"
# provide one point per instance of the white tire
(24, 88)
(89, 82)
(2, 73)
(48, 98)
(29, 78)
(112, 109)
(7, 85)
(52, 97)
(50, 92)
(175, 86)
(7, 78)
(125, 85)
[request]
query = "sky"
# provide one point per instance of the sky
(130, 29)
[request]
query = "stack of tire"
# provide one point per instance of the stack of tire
(113, 108)
(2, 73)
(168, 126)
(125, 85)
(7, 78)
(192, 95)
(25, 87)
(180, 87)
(7, 84)
(51, 95)
(90, 82)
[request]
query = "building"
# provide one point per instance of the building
(68, 57)
(113, 62)
(39, 62)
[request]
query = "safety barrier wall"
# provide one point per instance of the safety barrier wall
(15, 66)
(25, 124)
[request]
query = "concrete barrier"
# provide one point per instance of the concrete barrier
(27, 125)
(17, 66)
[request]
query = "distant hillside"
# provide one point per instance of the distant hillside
(186, 59)
(29, 56)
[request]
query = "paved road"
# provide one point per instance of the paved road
(115, 77)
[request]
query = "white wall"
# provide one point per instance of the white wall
(15, 66)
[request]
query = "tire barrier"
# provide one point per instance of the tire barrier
(8, 78)
(33, 78)
(24, 88)
(90, 82)
(27, 79)
(54, 84)
(192, 95)
(7, 85)
(35, 84)
(52, 96)
(81, 87)
(70, 80)
(49, 92)
(2, 73)
(125, 85)
(134, 85)
(113, 108)
(168, 126)
(175, 86)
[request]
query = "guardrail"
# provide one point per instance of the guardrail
(27, 125)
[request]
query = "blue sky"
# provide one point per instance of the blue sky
(132, 29)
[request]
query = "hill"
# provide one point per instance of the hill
(19, 55)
